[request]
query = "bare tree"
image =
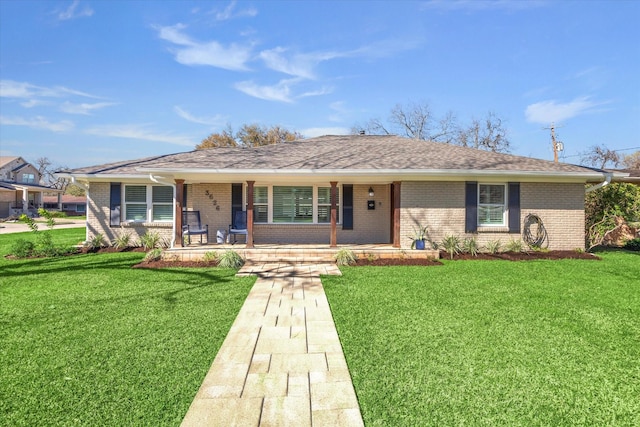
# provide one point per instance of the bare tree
(632, 161)
(46, 170)
(487, 134)
(600, 156)
(416, 120)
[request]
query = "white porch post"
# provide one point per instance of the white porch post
(25, 200)
(60, 202)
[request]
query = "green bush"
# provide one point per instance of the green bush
(122, 240)
(633, 244)
(345, 257)
(210, 256)
(153, 255)
(493, 246)
(515, 246)
(451, 244)
(98, 241)
(470, 246)
(22, 248)
(150, 240)
(230, 259)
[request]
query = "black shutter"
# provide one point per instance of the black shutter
(514, 207)
(115, 203)
(347, 207)
(471, 207)
(236, 201)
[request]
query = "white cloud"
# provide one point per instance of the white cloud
(546, 112)
(313, 132)
(228, 12)
(72, 12)
(83, 108)
(141, 132)
(217, 120)
(212, 53)
(340, 111)
(299, 65)
(14, 89)
(278, 92)
(34, 103)
(37, 122)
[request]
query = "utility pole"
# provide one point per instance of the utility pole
(557, 145)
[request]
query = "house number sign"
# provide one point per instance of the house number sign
(213, 201)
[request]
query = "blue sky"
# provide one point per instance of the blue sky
(88, 82)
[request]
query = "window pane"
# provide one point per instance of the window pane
(324, 195)
(324, 213)
(162, 194)
(260, 195)
(490, 214)
(492, 194)
(136, 212)
(162, 212)
(260, 213)
(292, 204)
(135, 193)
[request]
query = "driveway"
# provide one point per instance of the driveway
(19, 227)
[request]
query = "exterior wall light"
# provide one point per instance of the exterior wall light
(371, 193)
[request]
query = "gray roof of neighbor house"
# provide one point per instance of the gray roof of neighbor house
(341, 155)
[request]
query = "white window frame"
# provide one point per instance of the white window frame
(148, 204)
(505, 205)
(314, 203)
(28, 178)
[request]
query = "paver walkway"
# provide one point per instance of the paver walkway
(281, 363)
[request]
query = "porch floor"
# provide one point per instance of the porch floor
(297, 253)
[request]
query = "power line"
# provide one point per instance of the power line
(615, 151)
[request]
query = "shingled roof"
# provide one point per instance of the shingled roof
(341, 154)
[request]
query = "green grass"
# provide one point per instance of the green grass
(551, 343)
(86, 340)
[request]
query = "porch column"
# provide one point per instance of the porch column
(177, 215)
(396, 214)
(25, 200)
(60, 202)
(250, 214)
(334, 195)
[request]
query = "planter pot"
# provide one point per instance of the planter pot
(420, 245)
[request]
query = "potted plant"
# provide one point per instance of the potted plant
(419, 237)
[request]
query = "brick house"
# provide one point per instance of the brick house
(353, 189)
(20, 189)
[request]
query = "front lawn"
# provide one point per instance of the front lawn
(550, 343)
(86, 340)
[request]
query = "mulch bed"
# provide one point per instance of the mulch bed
(175, 264)
(523, 256)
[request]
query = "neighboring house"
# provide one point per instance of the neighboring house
(71, 205)
(384, 187)
(20, 189)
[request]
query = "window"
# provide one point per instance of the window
(324, 205)
(492, 204)
(162, 203)
(148, 203)
(293, 204)
(28, 178)
(261, 204)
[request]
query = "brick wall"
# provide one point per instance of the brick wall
(98, 217)
(214, 203)
(441, 206)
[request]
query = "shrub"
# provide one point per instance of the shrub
(451, 244)
(150, 240)
(230, 259)
(98, 241)
(122, 240)
(470, 246)
(153, 255)
(345, 257)
(44, 245)
(22, 248)
(210, 256)
(494, 246)
(633, 244)
(515, 246)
